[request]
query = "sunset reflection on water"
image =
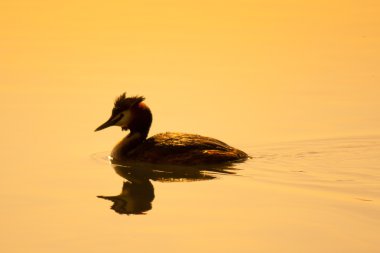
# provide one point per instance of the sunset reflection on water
(295, 85)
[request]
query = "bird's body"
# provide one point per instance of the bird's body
(164, 148)
(181, 149)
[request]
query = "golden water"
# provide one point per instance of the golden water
(295, 85)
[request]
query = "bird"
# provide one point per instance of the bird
(171, 148)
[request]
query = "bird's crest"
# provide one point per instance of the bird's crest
(123, 102)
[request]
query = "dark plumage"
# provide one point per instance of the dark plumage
(123, 103)
(130, 113)
(184, 149)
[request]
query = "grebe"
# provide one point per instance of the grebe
(130, 113)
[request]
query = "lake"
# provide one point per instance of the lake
(295, 85)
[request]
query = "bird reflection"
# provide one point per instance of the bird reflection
(137, 192)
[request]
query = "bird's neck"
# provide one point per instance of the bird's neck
(128, 144)
(141, 119)
(139, 129)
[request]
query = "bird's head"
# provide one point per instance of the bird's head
(129, 113)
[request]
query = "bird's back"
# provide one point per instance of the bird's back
(184, 149)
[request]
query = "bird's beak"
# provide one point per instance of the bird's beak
(110, 122)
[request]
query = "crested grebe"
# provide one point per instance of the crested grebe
(130, 113)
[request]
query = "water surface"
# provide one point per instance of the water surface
(296, 85)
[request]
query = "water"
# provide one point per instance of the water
(295, 85)
(306, 196)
